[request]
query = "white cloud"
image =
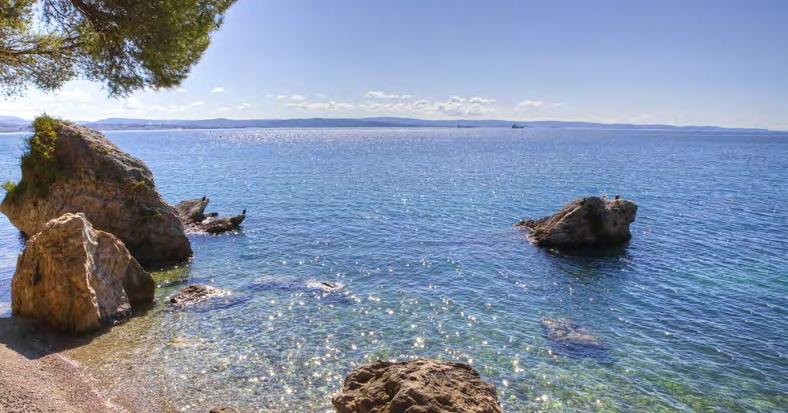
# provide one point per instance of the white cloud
(320, 95)
(195, 104)
(528, 103)
(377, 94)
(244, 106)
(460, 106)
(217, 89)
(329, 105)
(181, 90)
(297, 98)
(224, 109)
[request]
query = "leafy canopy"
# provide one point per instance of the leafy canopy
(126, 44)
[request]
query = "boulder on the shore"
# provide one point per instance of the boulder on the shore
(192, 214)
(566, 331)
(70, 168)
(422, 385)
(194, 294)
(587, 221)
(77, 278)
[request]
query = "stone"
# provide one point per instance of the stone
(77, 278)
(565, 331)
(418, 386)
(192, 210)
(192, 214)
(224, 410)
(220, 225)
(591, 221)
(194, 294)
(84, 172)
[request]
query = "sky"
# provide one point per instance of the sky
(695, 62)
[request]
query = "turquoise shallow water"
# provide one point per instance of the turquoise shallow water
(417, 226)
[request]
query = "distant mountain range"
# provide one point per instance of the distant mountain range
(12, 123)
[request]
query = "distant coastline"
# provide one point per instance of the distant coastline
(15, 124)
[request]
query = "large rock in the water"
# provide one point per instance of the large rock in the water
(566, 331)
(584, 222)
(418, 386)
(69, 168)
(77, 278)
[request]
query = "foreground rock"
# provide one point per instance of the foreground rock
(584, 222)
(194, 294)
(69, 168)
(77, 278)
(565, 331)
(418, 386)
(192, 214)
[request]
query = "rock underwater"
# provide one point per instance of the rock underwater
(590, 221)
(77, 278)
(421, 385)
(70, 168)
(192, 214)
(194, 294)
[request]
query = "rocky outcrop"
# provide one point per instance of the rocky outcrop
(584, 222)
(194, 294)
(422, 385)
(566, 331)
(69, 168)
(77, 278)
(192, 214)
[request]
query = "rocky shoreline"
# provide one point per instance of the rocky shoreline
(95, 222)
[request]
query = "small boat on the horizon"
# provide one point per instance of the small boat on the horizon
(465, 126)
(516, 126)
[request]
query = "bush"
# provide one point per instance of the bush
(9, 186)
(40, 168)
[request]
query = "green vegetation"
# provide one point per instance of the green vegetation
(138, 185)
(40, 167)
(9, 186)
(128, 45)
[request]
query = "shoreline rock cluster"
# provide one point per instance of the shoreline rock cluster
(73, 169)
(94, 220)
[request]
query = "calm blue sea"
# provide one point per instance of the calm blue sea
(416, 224)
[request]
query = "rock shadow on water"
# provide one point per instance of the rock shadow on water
(569, 339)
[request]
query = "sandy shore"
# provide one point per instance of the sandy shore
(37, 376)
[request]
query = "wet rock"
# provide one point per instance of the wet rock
(192, 210)
(325, 286)
(422, 385)
(224, 410)
(220, 225)
(565, 331)
(588, 221)
(194, 294)
(192, 214)
(77, 278)
(73, 169)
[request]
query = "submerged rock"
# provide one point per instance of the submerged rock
(584, 222)
(422, 385)
(194, 294)
(192, 214)
(325, 286)
(565, 331)
(77, 278)
(70, 168)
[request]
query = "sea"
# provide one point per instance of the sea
(415, 227)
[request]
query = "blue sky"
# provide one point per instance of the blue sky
(676, 62)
